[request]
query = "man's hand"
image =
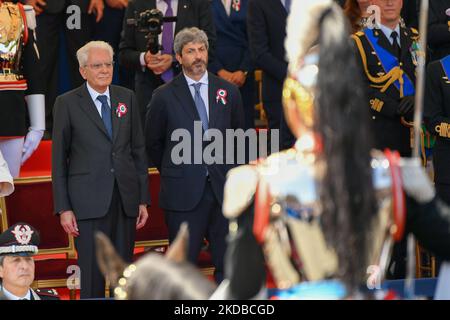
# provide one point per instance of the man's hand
(117, 4)
(406, 106)
(37, 5)
(158, 63)
(225, 75)
(143, 216)
(238, 78)
(69, 223)
(96, 6)
(32, 141)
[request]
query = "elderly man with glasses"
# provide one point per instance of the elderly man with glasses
(99, 166)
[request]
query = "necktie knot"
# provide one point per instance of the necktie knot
(197, 87)
(168, 2)
(394, 35)
(103, 99)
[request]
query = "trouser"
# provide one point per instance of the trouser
(119, 228)
(205, 221)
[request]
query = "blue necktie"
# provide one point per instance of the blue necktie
(287, 5)
(200, 105)
(167, 40)
(106, 114)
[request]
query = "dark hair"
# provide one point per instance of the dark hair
(342, 119)
(353, 13)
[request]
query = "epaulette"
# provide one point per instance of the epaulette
(359, 33)
(47, 292)
(414, 34)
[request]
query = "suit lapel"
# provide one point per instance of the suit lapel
(184, 96)
(88, 106)
(213, 105)
(115, 119)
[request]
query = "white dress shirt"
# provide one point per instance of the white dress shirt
(203, 89)
(94, 94)
(227, 6)
(11, 296)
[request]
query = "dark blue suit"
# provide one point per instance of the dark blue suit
(232, 52)
(186, 193)
(266, 23)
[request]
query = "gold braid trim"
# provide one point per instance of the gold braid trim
(388, 79)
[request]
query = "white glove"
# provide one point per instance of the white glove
(36, 110)
(32, 141)
(416, 183)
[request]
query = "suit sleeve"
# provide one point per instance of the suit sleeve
(389, 105)
(430, 224)
(60, 152)
(155, 129)
(259, 43)
(438, 32)
(138, 151)
(434, 113)
(206, 23)
(129, 55)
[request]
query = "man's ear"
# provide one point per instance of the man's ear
(82, 72)
(178, 57)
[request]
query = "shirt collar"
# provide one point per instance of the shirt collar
(387, 31)
(94, 94)
(203, 79)
(11, 296)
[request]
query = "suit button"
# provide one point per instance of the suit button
(373, 118)
(113, 154)
(112, 170)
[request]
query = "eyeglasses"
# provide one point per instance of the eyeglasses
(98, 66)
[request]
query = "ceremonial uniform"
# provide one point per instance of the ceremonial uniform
(389, 76)
(20, 73)
(437, 120)
(20, 240)
(439, 30)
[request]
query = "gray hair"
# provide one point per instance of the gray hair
(83, 52)
(189, 35)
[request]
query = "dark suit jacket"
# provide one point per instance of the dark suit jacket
(438, 29)
(194, 13)
(388, 130)
(232, 51)
(266, 25)
(437, 115)
(172, 107)
(86, 163)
